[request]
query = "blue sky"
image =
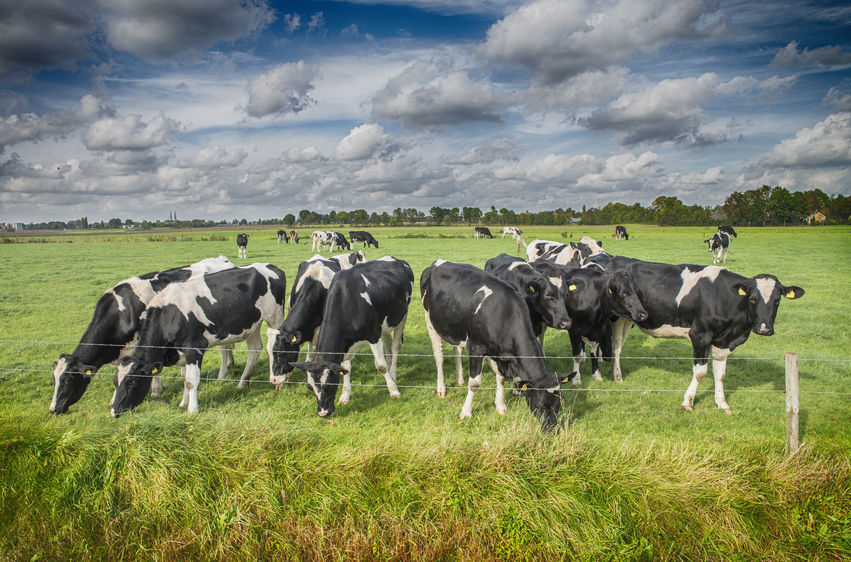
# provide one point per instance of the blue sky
(223, 109)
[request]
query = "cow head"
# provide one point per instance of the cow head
(282, 347)
(132, 383)
(70, 380)
(761, 296)
(622, 297)
(357, 257)
(323, 378)
(543, 395)
(546, 299)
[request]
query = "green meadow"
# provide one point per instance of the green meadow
(258, 475)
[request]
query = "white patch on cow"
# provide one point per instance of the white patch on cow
(668, 331)
(556, 281)
(765, 286)
(517, 264)
(365, 296)
(365, 280)
(318, 271)
(486, 292)
(439, 262)
(691, 278)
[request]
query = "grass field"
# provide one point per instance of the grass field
(258, 475)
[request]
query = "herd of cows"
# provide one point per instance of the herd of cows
(341, 303)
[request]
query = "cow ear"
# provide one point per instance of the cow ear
(154, 368)
(741, 289)
(534, 287)
(792, 292)
(304, 366)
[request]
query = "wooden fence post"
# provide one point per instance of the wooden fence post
(792, 405)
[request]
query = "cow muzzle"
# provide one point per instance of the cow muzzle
(763, 330)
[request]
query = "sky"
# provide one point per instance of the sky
(224, 109)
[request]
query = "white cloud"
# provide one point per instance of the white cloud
(214, 157)
(828, 143)
(296, 154)
(496, 149)
(31, 127)
(838, 98)
(829, 56)
(362, 142)
(129, 133)
(284, 89)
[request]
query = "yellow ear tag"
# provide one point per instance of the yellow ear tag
(610, 291)
(742, 291)
(790, 295)
(294, 339)
(155, 371)
(342, 373)
(572, 288)
(531, 288)
(88, 372)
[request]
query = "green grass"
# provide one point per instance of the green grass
(258, 475)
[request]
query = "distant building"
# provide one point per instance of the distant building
(816, 217)
(19, 226)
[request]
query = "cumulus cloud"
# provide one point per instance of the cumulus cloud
(584, 90)
(282, 90)
(159, 30)
(362, 142)
(496, 149)
(296, 154)
(129, 133)
(425, 95)
(558, 40)
(213, 157)
(828, 143)
(829, 56)
(23, 127)
(838, 98)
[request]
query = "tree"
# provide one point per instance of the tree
(471, 214)
(437, 214)
(289, 219)
(114, 223)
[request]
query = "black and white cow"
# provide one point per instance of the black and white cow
(321, 239)
(573, 253)
(365, 304)
(111, 334)
(306, 305)
(282, 237)
(719, 245)
(482, 232)
(593, 298)
(728, 230)
(466, 306)
(363, 236)
(186, 319)
(711, 306)
(241, 244)
(294, 236)
(339, 240)
(620, 233)
(512, 231)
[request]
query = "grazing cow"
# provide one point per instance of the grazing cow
(711, 306)
(466, 306)
(363, 236)
(364, 305)
(482, 232)
(294, 236)
(241, 243)
(719, 245)
(339, 240)
(306, 305)
(186, 319)
(112, 331)
(620, 233)
(728, 230)
(574, 253)
(512, 231)
(542, 297)
(321, 238)
(282, 237)
(593, 298)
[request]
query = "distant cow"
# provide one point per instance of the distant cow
(466, 306)
(512, 231)
(241, 243)
(186, 319)
(711, 306)
(728, 229)
(363, 236)
(620, 233)
(719, 245)
(482, 232)
(573, 253)
(282, 237)
(365, 304)
(294, 236)
(112, 330)
(339, 240)
(321, 239)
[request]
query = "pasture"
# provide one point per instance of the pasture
(257, 474)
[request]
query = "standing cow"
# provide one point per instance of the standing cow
(363, 236)
(112, 331)
(294, 236)
(711, 306)
(482, 232)
(512, 231)
(282, 237)
(365, 305)
(186, 319)
(466, 306)
(719, 245)
(620, 233)
(241, 244)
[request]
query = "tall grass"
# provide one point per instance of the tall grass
(257, 474)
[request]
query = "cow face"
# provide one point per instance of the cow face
(70, 380)
(762, 296)
(132, 383)
(545, 404)
(623, 299)
(323, 378)
(285, 346)
(547, 300)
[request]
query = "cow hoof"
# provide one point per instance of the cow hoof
(344, 400)
(466, 415)
(597, 376)
(726, 410)
(395, 395)
(279, 386)
(242, 385)
(501, 410)
(687, 407)
(441, 392)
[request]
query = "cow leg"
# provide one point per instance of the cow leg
(701, 365)
(475, 380)
(459, 367)
(541, 335)
(381, 364)
(227, 360)
(577, 347)
(311, 345)
(271, 336)
(395, 345)
(619, 332)
(499, 399)
(190, 385)
(156, 386)
(725, 261)
(346, 363)
(255, 347)
(719, 371)
(437, 351)
(596, 353)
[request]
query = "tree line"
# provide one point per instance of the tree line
(762, 206)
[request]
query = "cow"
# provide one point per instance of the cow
(728, 230)
(545, 303)
(321, 238)
(711, 306)
(186, 319)
(593, 298)
(339, 240)
(482, 232)
(719, 245)
(365, 304)
(112, 331)
(466, 306)
(306, 305)
(363, 236)
(573, 253)
(241, 243)
(620, 233)
(282, 237)
(512, 231)
(294, 236)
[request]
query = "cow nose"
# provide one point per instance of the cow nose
(564, 325)
(323, 413)
(641, 316)
(112, 413)
(764, 330)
